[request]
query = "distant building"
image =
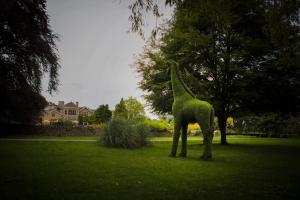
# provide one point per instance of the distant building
(85, 111)
(61, 112)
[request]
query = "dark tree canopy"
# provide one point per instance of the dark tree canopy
(232, 53)
(103, 114)
(278, 72)
(27, 52)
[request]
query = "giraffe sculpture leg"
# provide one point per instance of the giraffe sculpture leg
(207, 139)
(183, 140)
(175, 138)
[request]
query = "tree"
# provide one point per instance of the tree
(151, 66)
(279, 78)
(103, 114)
(85, 120)
(130, 109)
(82, 119)
(139, 8)
(20, 106)
(27, 52)
(121, 110)
(222, 46)
(134, 109)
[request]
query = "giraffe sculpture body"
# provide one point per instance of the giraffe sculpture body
(188, 109)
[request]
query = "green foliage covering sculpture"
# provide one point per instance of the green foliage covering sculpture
(188, 109)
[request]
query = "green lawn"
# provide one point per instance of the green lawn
(248, 168)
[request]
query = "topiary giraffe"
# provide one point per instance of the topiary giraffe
(188, 109)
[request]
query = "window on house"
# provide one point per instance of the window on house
(72, 112)
(66, 112)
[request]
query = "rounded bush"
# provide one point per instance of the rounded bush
(124, 133)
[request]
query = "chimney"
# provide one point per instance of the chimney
(77, 104)
(61, 104)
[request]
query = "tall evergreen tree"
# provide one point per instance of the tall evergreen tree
(103, 114)
(121, 110)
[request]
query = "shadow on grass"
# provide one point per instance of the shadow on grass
(237, 152)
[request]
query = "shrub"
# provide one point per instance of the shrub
(156, 125)
(124, 133)
(99, 126)
(62, 122)
(194, 127)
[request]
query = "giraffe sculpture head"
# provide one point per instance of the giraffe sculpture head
(180, 88)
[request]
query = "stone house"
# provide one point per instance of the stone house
(62, 112)
(51, 116)
(85, 111)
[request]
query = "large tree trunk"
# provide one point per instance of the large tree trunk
(222, 125)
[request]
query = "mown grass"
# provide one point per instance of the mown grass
(50, 137)
(248, 168)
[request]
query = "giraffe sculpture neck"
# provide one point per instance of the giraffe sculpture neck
(180, 90)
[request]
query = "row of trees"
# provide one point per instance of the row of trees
(129, 108)
(242, 56)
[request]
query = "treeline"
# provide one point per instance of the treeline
(129, 109)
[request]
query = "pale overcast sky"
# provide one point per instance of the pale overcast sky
(96, 51)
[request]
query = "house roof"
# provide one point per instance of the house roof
(51, 103)
(50, 107)
(70, 104)
(84, 108)
(52, 110)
